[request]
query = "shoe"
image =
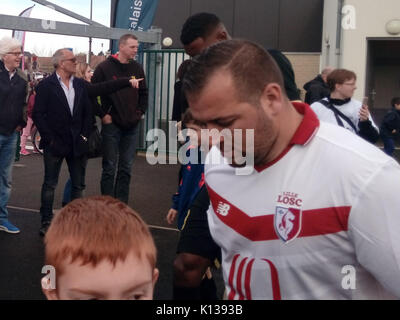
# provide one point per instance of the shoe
(8, 227)
(24, 152)
(44, 228)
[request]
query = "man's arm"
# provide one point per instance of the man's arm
(374, 225)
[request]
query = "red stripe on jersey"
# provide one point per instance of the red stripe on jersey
(261, 228)
(231, 275)
(239, 279)
(248, 279)
(276, 290)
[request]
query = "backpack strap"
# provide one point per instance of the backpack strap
(338, 115)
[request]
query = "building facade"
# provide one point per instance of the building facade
(364, 36)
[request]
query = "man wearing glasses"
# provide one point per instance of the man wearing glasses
(13, 93)
(341, 109)
(63, 116)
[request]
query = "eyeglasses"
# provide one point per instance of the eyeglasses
(349, 84)
(71, 59)
(15, 53)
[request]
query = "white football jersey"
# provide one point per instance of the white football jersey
(320, 222)
(351, 110)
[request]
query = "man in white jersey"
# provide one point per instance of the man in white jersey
(319, 216)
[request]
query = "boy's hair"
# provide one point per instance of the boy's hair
(339, 76)
(198, 25)
(395, 100)
(92, 229)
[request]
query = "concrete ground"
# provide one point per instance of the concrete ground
(21, 255)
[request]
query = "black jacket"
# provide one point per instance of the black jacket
(103, 88)
(316, 90)
(126, 106)
(390, 122)
(13, 100)
(61, 133)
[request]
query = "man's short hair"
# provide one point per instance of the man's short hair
(90, 230)
(395, 100)
(339, 76)
(251, 67)
(125, 38)
(198, 25)
(8, 44)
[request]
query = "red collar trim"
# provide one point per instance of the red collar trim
(308, 127)
(303, 135)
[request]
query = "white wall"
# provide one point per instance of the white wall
(371, 18)
(329, 56)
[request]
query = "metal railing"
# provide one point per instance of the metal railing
(160, 67)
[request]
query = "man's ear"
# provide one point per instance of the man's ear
(222, 35)
(156, 273)
(51, 294)
(272, 98)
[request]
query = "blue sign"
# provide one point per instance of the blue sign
(133, 15)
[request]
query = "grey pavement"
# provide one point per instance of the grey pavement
(21, 255)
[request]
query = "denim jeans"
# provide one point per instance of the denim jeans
(119, 148)
(52, 167)
(388, 145)
(8, 146)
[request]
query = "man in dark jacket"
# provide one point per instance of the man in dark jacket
(390, 127)
(122, 112)
(317, 88)
(63, 116)
(13, 94)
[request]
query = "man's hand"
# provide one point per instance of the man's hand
(171, 215)
(107, 119)
(135, 83)
(364, 113)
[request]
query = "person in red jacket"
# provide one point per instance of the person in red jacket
(27, 130)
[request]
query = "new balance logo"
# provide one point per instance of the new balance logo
(223, 209)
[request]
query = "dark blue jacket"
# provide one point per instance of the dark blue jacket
(13, 100)
(61, 133)
(192, 179)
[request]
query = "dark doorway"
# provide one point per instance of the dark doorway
(383, 75)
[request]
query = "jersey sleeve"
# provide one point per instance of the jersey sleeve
(374, 226)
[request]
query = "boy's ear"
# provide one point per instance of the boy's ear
(156, 273)
(51, 294)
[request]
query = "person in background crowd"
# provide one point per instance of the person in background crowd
(13, 95)
(121, 114)
(390, 127)
(317, 88)
(63, 115)
(341, 109)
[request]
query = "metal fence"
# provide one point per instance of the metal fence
(160, 67)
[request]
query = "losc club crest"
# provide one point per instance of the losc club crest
(287, 222)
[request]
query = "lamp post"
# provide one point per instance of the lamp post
(90, 39)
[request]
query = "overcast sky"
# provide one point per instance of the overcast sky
(46, 44)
